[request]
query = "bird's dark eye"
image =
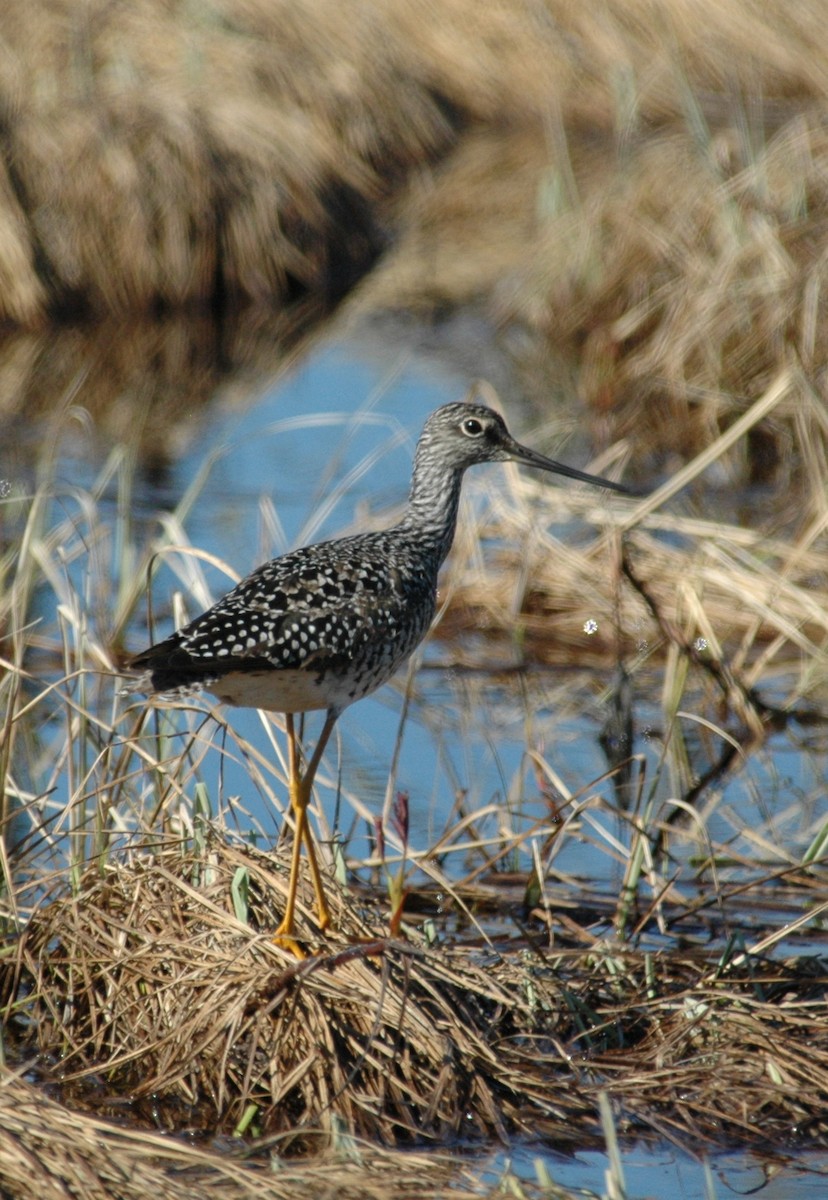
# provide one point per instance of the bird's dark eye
(472, 427)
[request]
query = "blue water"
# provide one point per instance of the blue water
(666, 1173)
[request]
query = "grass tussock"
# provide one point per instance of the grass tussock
(53, 1152)
(175, 996)
(178, 156)
(148, 975)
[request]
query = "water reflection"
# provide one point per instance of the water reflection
(664, 1170)
(79, 390)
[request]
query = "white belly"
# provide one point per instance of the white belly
(277, 691)
(289, 691)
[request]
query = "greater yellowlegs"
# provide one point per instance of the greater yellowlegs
(321, 627)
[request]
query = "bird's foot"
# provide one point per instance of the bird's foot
(285, 940)
(285, 937)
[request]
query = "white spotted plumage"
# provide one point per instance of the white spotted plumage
(325, 625)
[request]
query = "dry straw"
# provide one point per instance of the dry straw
(152, 977)
(54, 1152)
(159, 156)
(181, 999)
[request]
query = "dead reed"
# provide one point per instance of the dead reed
(683, 304)
(55, 1152)
(156, 975)
(174, 157)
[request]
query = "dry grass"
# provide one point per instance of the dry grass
(149, 982)
(682, 304)
(160, 156)
(711, 1053)
(56, 1153)
(642, 183)
(738, 602)
(174, 996)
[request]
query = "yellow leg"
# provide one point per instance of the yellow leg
(300, 793)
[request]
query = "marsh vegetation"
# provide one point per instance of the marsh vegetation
(631, 205)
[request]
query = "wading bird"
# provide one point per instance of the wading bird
(321, 627)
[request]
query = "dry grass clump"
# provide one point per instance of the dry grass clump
(55, 1153)
(161, 155)
(153, 989)
(755, 1055)
(746, 599)
(170, 992)
(682, 302)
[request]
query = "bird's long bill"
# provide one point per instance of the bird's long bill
(523, 454)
